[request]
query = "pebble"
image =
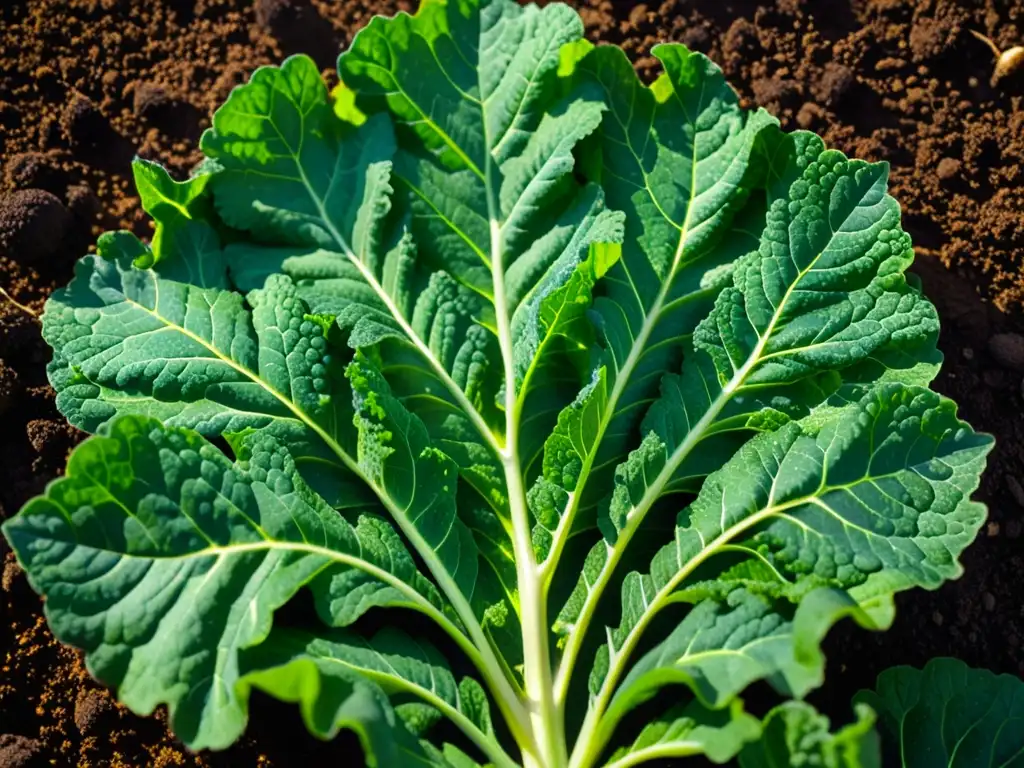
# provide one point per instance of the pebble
(1008, 350)
(989, 600)
(1015, 489)
(968, 353)
(992, 529)
(948, 168)
(937, 618)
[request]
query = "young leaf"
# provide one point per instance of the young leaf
(398, 664)
(332, 698)
(688, 731)
(950, 714)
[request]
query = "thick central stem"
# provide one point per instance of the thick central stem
(547, 736)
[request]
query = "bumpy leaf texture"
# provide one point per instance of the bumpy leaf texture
(548, 388)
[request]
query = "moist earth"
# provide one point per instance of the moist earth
(87, 84)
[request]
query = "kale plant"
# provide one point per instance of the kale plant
(541, 389)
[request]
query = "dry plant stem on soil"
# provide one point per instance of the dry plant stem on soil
(496, 296)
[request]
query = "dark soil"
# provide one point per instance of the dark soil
(87, 84)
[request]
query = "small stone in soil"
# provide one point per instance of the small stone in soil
(1015, 489)
(948, 168)
(1008, 350)
(968, 353)
(990, 601)
(992, 529)
(835, 81)
(937, 618)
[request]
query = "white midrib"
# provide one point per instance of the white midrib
(548, 739)
(508, 453)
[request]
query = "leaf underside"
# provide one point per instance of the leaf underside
(588, 388)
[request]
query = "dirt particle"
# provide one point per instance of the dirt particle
(90, 706)
(11, 573)
(834, 82)
(740, 39)
(19, 751)
(33, 222)
(929, 38)
(809, 115)
(639, 16)
(937, 619)
(989, 600)
(1013, 529)
(948, 168)
(82, 202)
(149, 98)
(1007, 349)
(775, 94)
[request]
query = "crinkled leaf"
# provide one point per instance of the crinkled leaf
(795, 734)
(822, 295)
(874, 502)
(162, 559)
(130, 340)
(685, 165)
(485, 134)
